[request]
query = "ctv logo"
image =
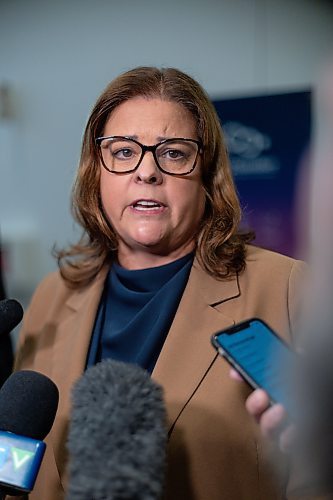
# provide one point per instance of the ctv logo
(19, 456)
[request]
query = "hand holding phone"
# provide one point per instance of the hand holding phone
(262, 358)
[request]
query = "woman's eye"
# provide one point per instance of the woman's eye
(173, 154)
(124, 153)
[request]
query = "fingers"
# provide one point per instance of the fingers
(274, 425)
(257, 403)
(273, 420)
(235, 375)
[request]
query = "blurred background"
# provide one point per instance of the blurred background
(258, 60)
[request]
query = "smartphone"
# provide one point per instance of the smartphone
(262, 358)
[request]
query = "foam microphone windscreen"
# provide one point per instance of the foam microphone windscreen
(117, 436)
(11, 313)
(28, 404)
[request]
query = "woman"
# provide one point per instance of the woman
(161, 267)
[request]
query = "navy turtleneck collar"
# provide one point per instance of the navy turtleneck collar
(136, 312)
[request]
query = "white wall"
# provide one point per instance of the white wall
(57, 56)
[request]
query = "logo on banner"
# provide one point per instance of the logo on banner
(248, 148)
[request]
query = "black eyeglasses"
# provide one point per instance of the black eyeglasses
(122, 155)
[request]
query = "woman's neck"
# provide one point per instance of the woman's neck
(144, 259)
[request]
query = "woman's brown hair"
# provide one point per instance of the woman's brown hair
(220, 247)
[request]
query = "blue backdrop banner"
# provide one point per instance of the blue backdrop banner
(267, 139)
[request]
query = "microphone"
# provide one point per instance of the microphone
(11, 313)
(28, 404)
(117, 435)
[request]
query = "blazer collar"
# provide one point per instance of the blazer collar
(213, 291)
(78, 298)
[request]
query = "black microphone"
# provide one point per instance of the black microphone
(28, 404)
(11, 313)
(117, 435)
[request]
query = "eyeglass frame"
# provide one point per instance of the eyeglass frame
(152, 149)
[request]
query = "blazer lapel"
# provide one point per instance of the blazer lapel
(187, 352)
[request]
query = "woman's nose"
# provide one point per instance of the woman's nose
(148, 171)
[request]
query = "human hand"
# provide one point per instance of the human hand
(272, 419)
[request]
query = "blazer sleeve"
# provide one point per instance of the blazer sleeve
(34, 318)
(28, 337)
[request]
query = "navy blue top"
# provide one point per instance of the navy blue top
(136, 311)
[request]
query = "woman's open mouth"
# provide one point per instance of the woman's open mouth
(148, 206)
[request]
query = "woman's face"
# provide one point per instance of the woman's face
(155, 215)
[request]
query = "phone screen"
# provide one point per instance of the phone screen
(260, 356)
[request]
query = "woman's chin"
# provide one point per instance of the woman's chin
(149, 240)
(154, 243)
(150, 245)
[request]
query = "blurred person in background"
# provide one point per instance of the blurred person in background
(309, 440)
(160, 267)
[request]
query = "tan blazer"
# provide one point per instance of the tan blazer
(215, 451)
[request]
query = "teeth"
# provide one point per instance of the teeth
(147, 204)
